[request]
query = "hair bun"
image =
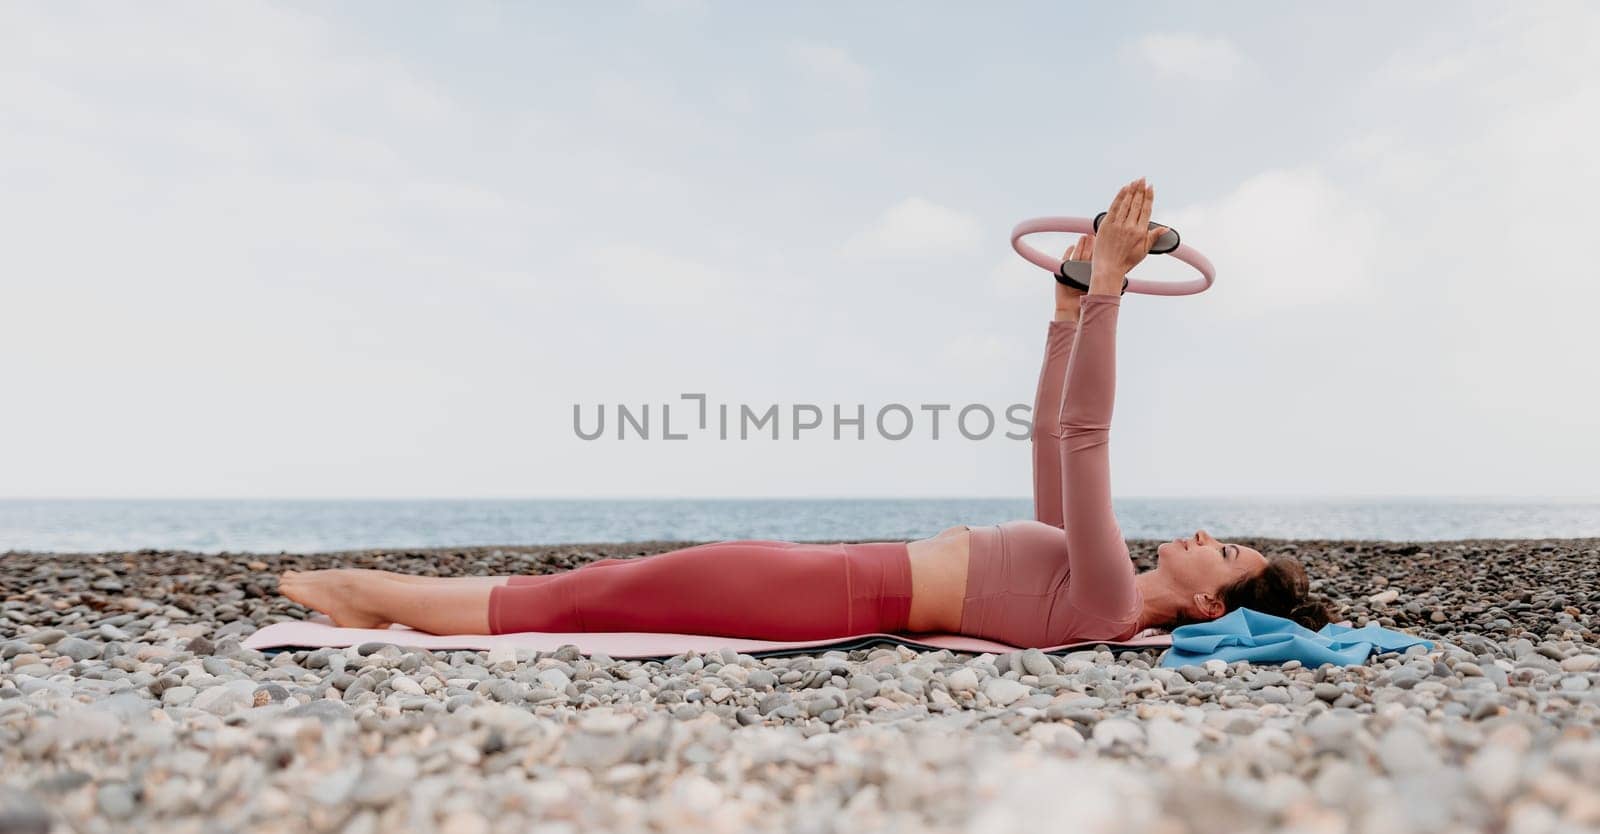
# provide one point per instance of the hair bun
(1280, 589)
(1313, 614)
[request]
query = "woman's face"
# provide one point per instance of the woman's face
(1203, 565)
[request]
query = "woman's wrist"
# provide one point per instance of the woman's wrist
(1067, 308)
(1105, 283)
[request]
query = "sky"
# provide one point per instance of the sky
(362, 250)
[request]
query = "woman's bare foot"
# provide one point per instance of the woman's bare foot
(337, 593)
(411, 579)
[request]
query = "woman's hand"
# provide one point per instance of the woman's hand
(1067, 297)
(1125, 237)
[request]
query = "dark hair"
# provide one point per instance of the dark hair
(1280, 589)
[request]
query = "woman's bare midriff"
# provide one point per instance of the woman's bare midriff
(939, 580)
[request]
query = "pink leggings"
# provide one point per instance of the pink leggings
(754, 588)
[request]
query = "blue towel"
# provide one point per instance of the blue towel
(1244, 634)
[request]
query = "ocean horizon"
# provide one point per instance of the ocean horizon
(319, 525)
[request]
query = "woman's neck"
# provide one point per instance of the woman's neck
(1163, 604)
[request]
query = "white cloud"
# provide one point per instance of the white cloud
(1013, 277)
(379, 264)
(739, 96)
(1187, 55)
(831, 64)
(676, 7)
(982, 352)
(1280, 239)
(1499, 217)
(916, 227)
(1438, 69)
(636, 275)
(1446, 212)
(1387, 158)
(848, 141)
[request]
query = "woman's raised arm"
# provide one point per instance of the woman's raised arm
(1102, 573)
(1102, 580)
(1046, 437)
(1046, 432)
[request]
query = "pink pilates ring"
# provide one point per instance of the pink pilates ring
(1084, 226)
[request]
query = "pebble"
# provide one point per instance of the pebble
(464, 822)
(1117, 731)
(320, 709)
(1175, 742)
(149, 715)
(1004, 692)
(77, 649)
(384, 780)
(222, 700)
(21, 813)
(1581, 663)
(1404, 750)
(178, 696)
(268, 694)
(1035, 662)
(115, 800)
(45, 637)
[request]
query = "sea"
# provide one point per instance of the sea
(310, 526)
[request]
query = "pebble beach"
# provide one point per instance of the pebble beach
(128, 704)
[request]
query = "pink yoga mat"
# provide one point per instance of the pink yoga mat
(321, 633)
